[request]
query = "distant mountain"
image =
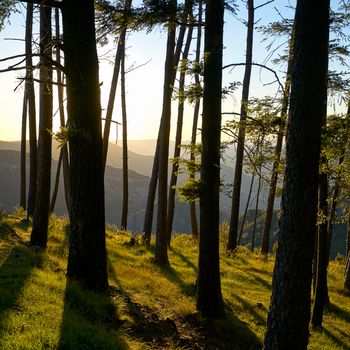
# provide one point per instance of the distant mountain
(138, 189)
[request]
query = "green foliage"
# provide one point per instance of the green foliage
(6, 8)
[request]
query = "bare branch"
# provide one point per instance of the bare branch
(264, 4)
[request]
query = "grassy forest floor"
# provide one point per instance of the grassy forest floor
(146, 307)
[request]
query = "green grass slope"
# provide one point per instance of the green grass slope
(146, 307)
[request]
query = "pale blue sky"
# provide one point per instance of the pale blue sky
(144, 85)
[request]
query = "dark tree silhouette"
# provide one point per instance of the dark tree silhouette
(39, 233)
(209, 298)
(289, 314)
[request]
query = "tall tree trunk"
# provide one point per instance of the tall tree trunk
(265, 245)
(57, 182)
(193, 215)
(124, 219)
(246, 210)
(87, 242)
(147, 227)
(321, 289)
(39, 233)
(114, 83)
(60, 93)
(33, 161)
(289, 314)
(347, 274)
(209, 297)
(23, 180)
(348, 239)
(236, 191)
(256, 214)
(161, 255)
(178, 137)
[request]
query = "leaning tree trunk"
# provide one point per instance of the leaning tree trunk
(33, 160)
(149, 212)
(236, 191)
(246, 210)
(161, 254)
(347, 274)
(321, 289)
(87, 243)
(178, 137)
(265, 244)
(209, 297)
(193, 214)
(57, 182)
(289, 313)
(114, 83)
(60, 93)
(124, 219)
(23, 180)
(39, 233)
(256, 214)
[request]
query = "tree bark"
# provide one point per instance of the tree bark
(60, 93)
(347, 274)
(178, 137)
(124, 218)
(321, 289)
(161, 255)
(33, 161)
(112, 92)
(149, 212)
(39, 232)
(23, 180)
(256, 214)
(193, 214)
(57, 182)
(289, 313)
(209, 297)
(236, 191)
(87, 245)
(246, 210)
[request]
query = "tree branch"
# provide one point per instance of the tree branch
(51, 3)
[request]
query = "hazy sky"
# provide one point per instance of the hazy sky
(144, 85)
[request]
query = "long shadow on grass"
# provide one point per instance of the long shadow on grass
(89, 321)
(184, 259)
(335, 339)
(15, 271)
(341, 313)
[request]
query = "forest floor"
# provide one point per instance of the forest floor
(146, 307)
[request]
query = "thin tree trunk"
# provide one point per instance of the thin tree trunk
(60, 93)
(57, 182)
(289, 313)
(180, 115)
(161, 254)
(347, 274)
(265, 244)
(256, 214)
(209, 297)
(348, 239)
(33, 161)
(39, 233)
(236, 191)
(193, 215)
(87, 261)
(23, 180)
(124, 219)
(321, 289)
(114, 83)
(246, 210)
(149, 212)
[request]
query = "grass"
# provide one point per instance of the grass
(147, 307)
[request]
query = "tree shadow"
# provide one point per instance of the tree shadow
(89, 320)
(173, 276)
(184, 259)
(15, 271)
(341, 313)
(335, 339)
